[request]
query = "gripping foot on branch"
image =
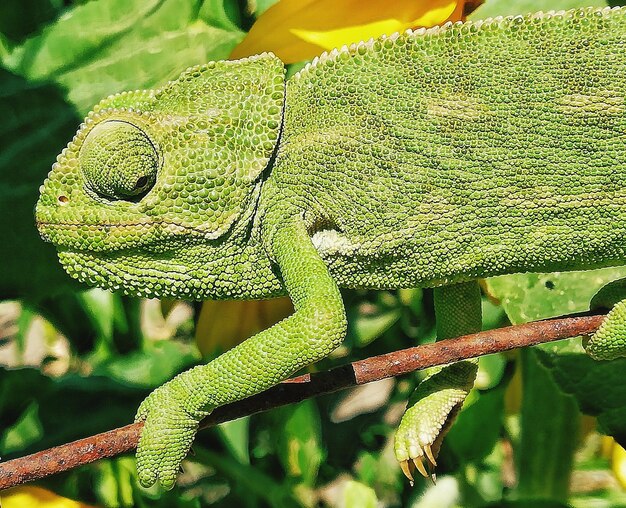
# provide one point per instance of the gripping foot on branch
(431, 411)
(438, 399)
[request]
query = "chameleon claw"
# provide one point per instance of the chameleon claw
(429, 453)
(419, 465)
(406, 469)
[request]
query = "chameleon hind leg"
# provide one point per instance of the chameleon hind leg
(609, 341)
(437, 400)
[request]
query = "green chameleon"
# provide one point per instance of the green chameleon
(424, 159)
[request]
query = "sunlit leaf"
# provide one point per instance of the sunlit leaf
(297, 435)
(149, 367)
(357, 495)
(531, 296)
(26, 430)
(297, 30)
(235, 434)
(114, 481)
(36, 497)
(366, 327)
(108, 46)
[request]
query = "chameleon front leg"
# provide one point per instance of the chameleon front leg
(436, 401)
(318, 326)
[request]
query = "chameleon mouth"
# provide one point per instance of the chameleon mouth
(99, 237)
(107, 237)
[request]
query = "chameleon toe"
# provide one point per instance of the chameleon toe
(429, 454)
(419, 465)
(406, 469)
(146, 472)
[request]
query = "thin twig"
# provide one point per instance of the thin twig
(117, 441)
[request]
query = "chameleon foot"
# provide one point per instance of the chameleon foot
(432, 410)
(166, 438)
(609, 341)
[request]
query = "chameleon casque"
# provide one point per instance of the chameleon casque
(430, 158)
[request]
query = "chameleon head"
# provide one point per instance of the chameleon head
(152, 174)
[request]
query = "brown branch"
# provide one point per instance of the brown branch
(116, 441)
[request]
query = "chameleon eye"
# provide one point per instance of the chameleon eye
(118, 160)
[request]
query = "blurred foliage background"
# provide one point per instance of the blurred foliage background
(75, 361)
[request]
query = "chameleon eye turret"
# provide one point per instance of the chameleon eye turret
(118, 161)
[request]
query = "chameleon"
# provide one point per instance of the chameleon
(431, 158)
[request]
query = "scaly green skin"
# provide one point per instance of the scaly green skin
(430, 158)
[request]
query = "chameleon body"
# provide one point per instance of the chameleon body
(429, 158)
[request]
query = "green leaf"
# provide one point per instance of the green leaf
(76, 36)
(598, 387)
(113, 45)
(357, 495)
(69, 407)
(478, 426)
(249, 480)
(298, 440)
(595, 385)
(379, 469)
(490, 371)
(367, 327)
(528, 503)
(114, 480)
(549, 418)
(99, 306)
(26, 431)
(137, 62)
(36, 122)
(235, 434)
(221, 14)
(531, 296)
(149, 368)
(15, 25)
(550, 425)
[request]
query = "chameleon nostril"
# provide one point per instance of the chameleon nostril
(63, 200)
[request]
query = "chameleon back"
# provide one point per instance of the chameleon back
(463, 151)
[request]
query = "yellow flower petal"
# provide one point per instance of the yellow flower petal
(297, 30)
(336, 38)
(618, 461)
(330, 39)
(36, 497)
(224, 324)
